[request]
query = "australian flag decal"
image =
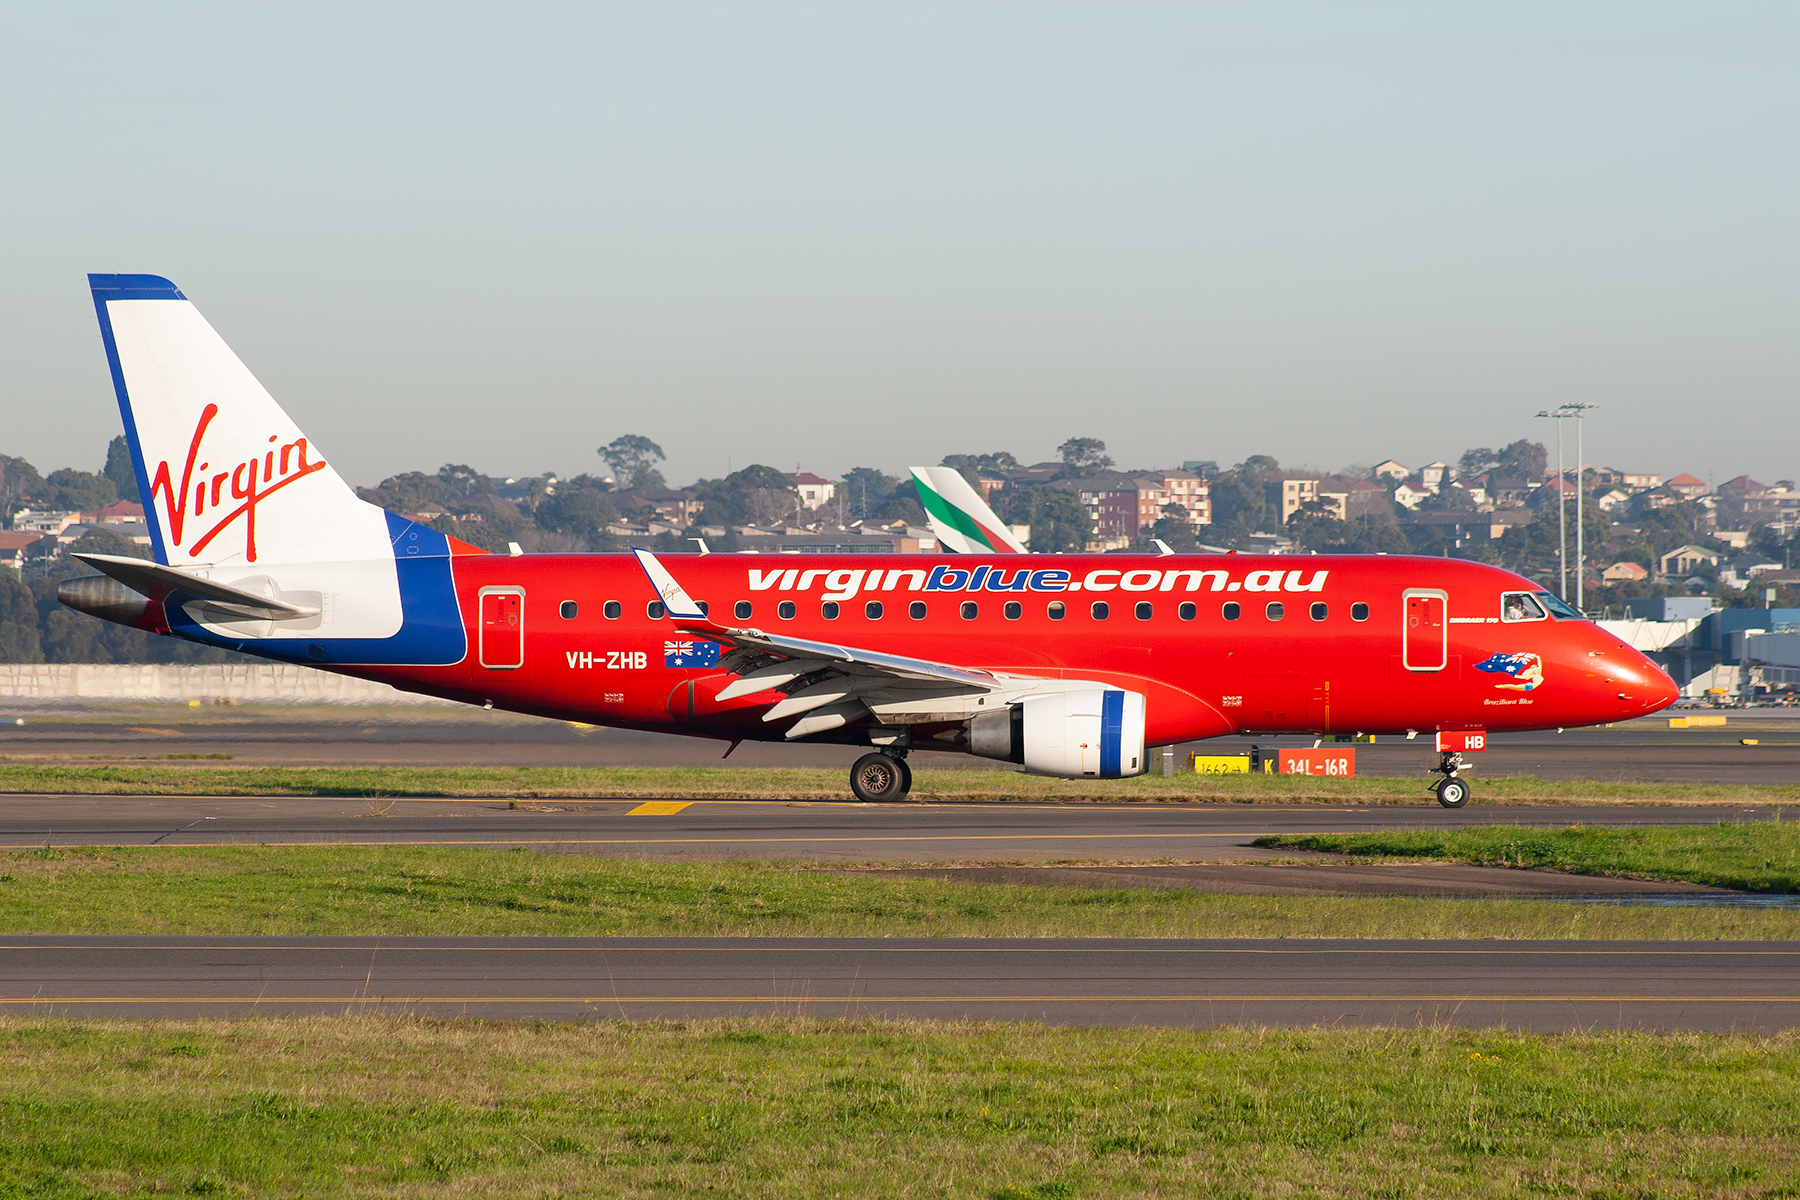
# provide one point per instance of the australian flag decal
(690, 654)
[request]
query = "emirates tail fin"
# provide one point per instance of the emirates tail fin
(961, 518)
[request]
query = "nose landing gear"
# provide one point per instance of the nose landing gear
(881, 777)
(1452, 792)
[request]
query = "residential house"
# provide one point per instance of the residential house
(1617, 500)
(1478, 496)
(1391, 470)
(15, 547)
(1508, 491)
(1739, 570)
(1625, 572)
(1205, 468)
(1357, 497)
(1777, 507)
(677, 506)
(1410, 495)
(140, 534)
(124, 512)
(27, 520)
(1688, 487)
(1436, 475)
(1655, 498)
(815, 491)
(1639, 482)
(1685, 559)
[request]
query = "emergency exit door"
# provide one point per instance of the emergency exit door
(501, 638)
(1425, 639)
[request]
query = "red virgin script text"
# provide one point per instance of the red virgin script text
(277, 468)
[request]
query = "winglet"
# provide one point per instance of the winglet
(675, 600)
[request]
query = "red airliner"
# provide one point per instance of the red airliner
(1068, 665)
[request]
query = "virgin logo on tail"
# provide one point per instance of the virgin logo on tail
(251, 481)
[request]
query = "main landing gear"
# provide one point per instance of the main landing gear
(881, 777)
(1452, 792)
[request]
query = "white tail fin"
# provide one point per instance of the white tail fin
(963, 521)
(226, 476)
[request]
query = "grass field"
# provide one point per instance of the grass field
(1749, 858)
(358, 1106)
(201, 778)
(439, 891)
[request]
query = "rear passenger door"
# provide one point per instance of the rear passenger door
(501, 637)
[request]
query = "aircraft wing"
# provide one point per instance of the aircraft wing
(828, 685)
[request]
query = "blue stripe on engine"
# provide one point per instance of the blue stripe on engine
(1112, 732)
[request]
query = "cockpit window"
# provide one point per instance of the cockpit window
(1519, 606)
(1558, 609)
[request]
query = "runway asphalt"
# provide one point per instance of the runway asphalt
(715, 830)
(1645, 751)
(1550, 987)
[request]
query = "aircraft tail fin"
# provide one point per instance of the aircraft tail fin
(962, 519)
(225, 475)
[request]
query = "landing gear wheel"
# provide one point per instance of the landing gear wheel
(877, 779)
(1452, 793)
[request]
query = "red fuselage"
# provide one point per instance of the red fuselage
(1227, 644)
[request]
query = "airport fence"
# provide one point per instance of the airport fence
(259, 683)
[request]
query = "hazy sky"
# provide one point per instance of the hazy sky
(865, 234)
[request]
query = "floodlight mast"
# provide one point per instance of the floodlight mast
(1562, 523)
(1577, 410)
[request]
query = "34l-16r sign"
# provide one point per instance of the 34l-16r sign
(1336, 764)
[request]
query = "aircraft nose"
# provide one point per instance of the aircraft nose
(1643, 687)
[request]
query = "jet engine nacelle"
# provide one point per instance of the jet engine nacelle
(1092, 733)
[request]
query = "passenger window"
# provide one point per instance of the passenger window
(1231, 611)
(613, 610)
(1318, 610)
(568, 610)
(916, 610)
(785, 610)
(1520, 606)
(742, 610)
(829, 610)
(872, 610)
(655, 610)
(970, 610)
(1188, 610)
(1100, 610)
(1359, 612)
(1276, 610)
(1143, 610)
(1055, 610)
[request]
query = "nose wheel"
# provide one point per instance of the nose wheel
(880, 778)
(1452, 792)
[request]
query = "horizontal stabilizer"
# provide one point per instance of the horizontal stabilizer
(163, 583)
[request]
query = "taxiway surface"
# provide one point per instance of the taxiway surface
(1644, 751)
(1550, 987)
